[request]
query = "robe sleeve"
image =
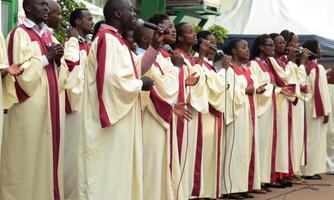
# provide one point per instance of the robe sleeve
(3, 53)
(259, 77)
(283, 73)
(198, 93)
(236, 96)
(324, 90)
(116, 83)
(28, 53)
(216, 82)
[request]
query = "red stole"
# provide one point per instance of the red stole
(101, 60)
(247, 74)
(53, 97)
(282, 61)
(319, 107)
(265, 68)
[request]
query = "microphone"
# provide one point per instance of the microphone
(301, 50)
(66, 25)
(141, 22)
(219, 52)
(168, 49)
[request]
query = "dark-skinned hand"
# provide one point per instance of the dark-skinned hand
(192, 79)
(147, 83)
(182, 110)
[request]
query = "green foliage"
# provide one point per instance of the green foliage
(197, 28)
(219, 32)
(67, 7)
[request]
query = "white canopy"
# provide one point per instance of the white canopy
(267, 16)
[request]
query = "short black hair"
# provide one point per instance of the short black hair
(201, 35)
(313, 46)
(287, 35)
(232, 45)
(76, 14)
(179, 29)
(259, 40)
(97, 27)
(273, 35)
(158, 18)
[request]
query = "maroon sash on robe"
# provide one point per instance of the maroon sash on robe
(53, 96)
(319, 107)
(265, 68)
(199, 145)
(247, 74)
(282, 61)
(101, 59)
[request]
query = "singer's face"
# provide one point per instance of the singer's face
(171, 37)
(87, 21)
(279, 45)
(294, 42)
(242, 50)
(189, 35)
(268, 47)
(55, 18)
(129, 16)
(38, 10)
(211, 53)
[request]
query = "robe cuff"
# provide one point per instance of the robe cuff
(3, 66)
(44, 61)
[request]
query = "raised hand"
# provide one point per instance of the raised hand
(182, 110)
(159, 36)
(226, 62)
(192, 79)
(304, 56)
(59, 50)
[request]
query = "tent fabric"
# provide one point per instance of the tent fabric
(267, 16)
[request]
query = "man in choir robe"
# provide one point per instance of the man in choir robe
(318, 109)
(31, 143)
(5, 69)
(111, 150)
(330, 131)
(74, 60)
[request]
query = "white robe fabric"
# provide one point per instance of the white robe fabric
(330, 132)
(74, 91)
(27, 151)
(158, 182)
(212, 139)
(316, 129)
(3, 64)
(111, 157)
(265, 114)
(237, 140)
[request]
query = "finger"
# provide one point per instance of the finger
(193, 74)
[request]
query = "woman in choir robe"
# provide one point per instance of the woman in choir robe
(5, 70)
(318, 109)
(239, 174)
(263, 47)
(212, 121)
(189, 134)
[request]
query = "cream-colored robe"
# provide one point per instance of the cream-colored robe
(265, 114)
(198, 98)
(212, 140)
(74, 90)
(316, 129)
(298, 144)
(288, 76)
(27, 158)
(3, 64)
(237, 140)
(111, 165)
(159, 181)
(330, 132)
